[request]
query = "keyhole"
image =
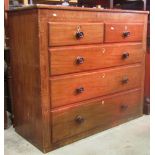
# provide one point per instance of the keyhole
(78, 28)
(102, 102)
(126, 28)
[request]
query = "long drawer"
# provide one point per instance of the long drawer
(88, 115)
(77, 87)
(75, 59)
(61, 33)
(123, 32)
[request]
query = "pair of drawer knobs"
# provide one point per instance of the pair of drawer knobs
(79, 119)
(80, 34)
(81, 89)
(80, 59)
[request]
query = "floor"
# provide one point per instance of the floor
(131, 138)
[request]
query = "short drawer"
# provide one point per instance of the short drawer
(105, 111)
(73, 88)
(75, 33)
(122, 32)
(65, 60)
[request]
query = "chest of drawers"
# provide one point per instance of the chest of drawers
(75, 71)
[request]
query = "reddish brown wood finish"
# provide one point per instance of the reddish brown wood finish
(71, 8)
(39, 66)
(65, 59)
(147, 84)
(65, 33)
(147, 77)
(115, 32)
(95, 84)
(44, 73)
(94, 113)
(26, 78)
(6, 7)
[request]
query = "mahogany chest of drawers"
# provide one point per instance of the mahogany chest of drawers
(75, 71)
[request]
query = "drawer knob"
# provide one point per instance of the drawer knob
(79, 119)
(79, 35)
(79, 60)
(126, 34)
(79, 90)
(125, 55)
(124, 107)
(125, 80)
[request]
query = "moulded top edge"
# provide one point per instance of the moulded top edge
(55, 7)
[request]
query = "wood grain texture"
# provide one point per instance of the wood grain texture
(90, 16)
(114, 32)
(45, 76)
(25, 72)
(147, 75)
(93, 131)
(102, 111)
(71, 8)
(63, 60)
(95, 84)
(144, 41)
(65, 33)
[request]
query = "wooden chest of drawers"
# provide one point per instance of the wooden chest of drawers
(76, 71)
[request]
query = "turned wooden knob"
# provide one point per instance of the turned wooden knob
(79, 60)
(79, 119)
(124, 107)
(125, 55)
(126, 34)
(79, 35)
(79, 90)
(125, 80)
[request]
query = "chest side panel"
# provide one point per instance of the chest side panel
(25, 69)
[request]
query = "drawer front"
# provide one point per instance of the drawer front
(78, 87)
(75, 33)
(72, 120)
(75, 59)
(122, 32)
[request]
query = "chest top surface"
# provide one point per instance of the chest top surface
(54, 7)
